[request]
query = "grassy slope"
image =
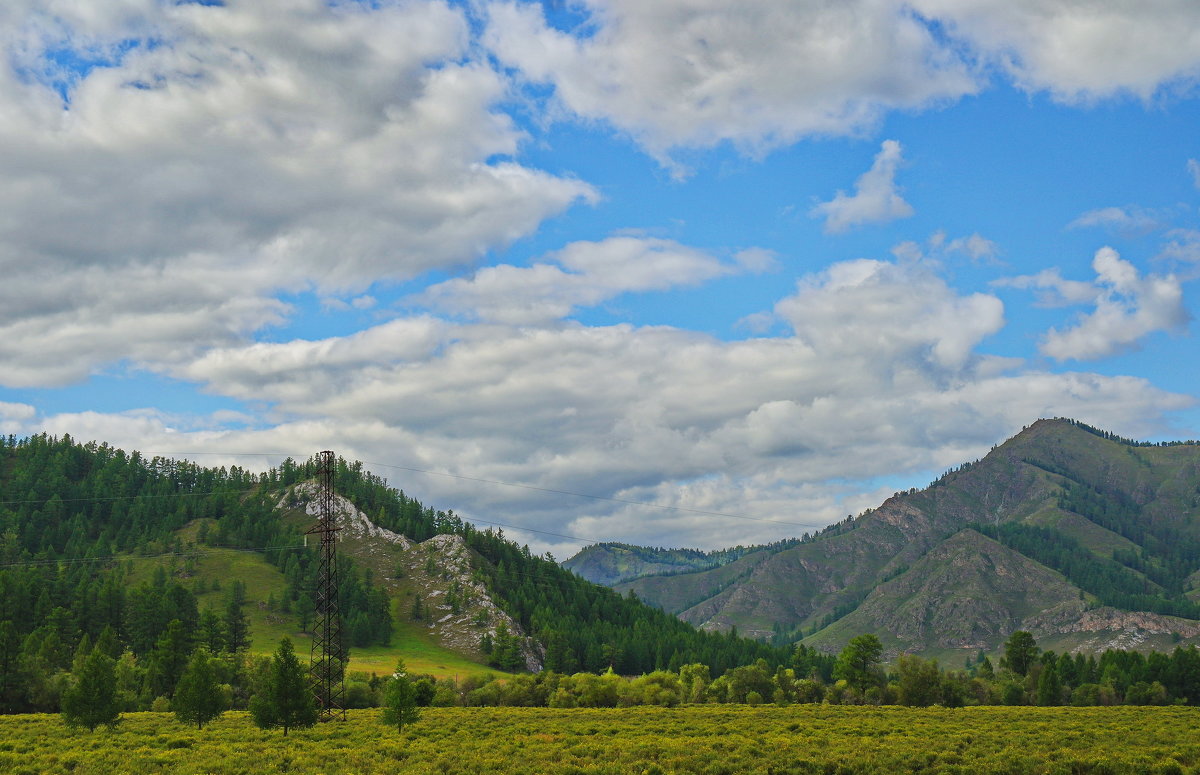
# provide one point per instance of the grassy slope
(411, 641)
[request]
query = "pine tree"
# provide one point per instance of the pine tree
(169, 658)
(400, 700)
(285, 700)
(198, 697)
(92, 698)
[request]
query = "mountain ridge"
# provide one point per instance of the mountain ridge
(1119, 520)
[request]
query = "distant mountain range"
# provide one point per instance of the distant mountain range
(1086, 539)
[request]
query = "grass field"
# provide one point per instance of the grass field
(705, 740)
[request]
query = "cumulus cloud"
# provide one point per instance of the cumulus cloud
(876, 198)
(760, 73)
(880, 372)
(1079, 51)
(582, 274)
(292, 145)
(764, 73)
(1127, 307)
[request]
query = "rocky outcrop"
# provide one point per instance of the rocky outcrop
(1109, 628)
(455, 606)
(458, 606)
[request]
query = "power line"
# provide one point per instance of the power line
(501, 483)
(460, 477)
(141, 557)
(629, 501)
(97, 498)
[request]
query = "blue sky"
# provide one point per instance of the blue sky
(764, 259)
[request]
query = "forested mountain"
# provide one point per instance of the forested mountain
(1087, 539)
(611, 562)
(102, 546)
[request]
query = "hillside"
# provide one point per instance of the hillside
(154, 557)
(1064, 530)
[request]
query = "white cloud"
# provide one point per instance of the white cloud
(1053, 290)
(14, 418)
(880, 375)
(233, 152)
(759, 73)
(1128, 307)
(976, 247)
(876, 198)
(1125, 220)
(1182, 245)
(1079, 50)
(938, 247)
(765, 73)
(582, 274)
(1193, 167)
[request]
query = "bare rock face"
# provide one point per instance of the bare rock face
(456, 606)
(353, 522)
(459, 607)
(1110, 628)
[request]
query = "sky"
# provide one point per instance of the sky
(683, 273)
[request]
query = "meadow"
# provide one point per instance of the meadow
(701, 739)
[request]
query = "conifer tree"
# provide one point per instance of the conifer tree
(237, 626)
(198, 697)
(285, 699)
(400, 700)
(92, 698)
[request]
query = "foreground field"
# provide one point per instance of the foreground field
(716, 740)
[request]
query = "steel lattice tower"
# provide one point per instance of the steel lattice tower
(327, 663)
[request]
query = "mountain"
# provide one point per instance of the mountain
(611, 563)
(1087, 539)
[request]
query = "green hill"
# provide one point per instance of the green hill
(100, 545)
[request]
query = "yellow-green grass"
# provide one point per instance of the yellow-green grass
(262, 579)
(704, 740)
(421, 655)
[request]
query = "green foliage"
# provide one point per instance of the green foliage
(1049, 686)
(858, 663)
(1020, 652)
(918, 681)
(92, 698)
(198, 697)
(694, 740)
(284, 699)
(400, 700)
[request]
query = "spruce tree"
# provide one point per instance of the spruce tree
(198, 697)
(285, 699)
(92, 699)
